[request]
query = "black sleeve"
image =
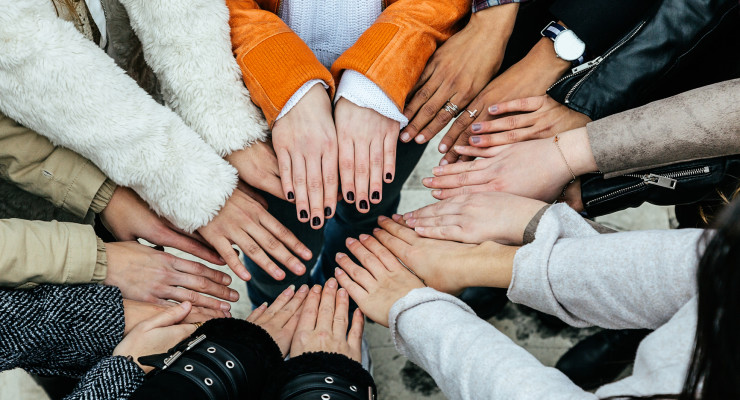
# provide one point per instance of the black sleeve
(59, 330)
(111, 378)
(599, 23)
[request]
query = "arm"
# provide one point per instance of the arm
(76, 96)
(111, 378)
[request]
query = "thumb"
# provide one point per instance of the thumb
(168, 317)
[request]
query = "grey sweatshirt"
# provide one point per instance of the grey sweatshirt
(641, 279)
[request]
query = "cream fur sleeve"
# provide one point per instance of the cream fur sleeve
(188, 46)
(61, 85)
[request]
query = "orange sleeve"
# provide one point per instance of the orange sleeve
(395, 49)
(275, 62)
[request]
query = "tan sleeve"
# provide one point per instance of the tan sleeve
(35, 252)
(57, 174)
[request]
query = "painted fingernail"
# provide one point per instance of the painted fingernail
(382, 218)
(342, 292)
(316, 221)
(475, 139)
(327, 211)
(291, 196)
(332, 283)
(405, 136)
(303, 289)
(304, 214)
(363, 205)
(443, 148)
(289, 290)
(338, 271)
(376, 195)
(426, 181)
(475, 127)
(419, 139)
(364, 237)
(444, 162)
(493, 109)
(351, 196)
(388, 176)
(351, 241)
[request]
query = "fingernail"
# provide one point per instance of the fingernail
(226, 280)
(388, 176)
(234, 296)
(342, 292)
(225, 307)
(419, 230)
(185, 304)
(327, 211)
(437, 170)
(436, 192)
(444, 162)
(376, 195)
(291, 196)
(419, 139)
(363, 205)
(410, 222)
(426, 181)
(443, 148)
(340, 255)
(263, 305)
(351, 241)
(303, 289)
(289, 290)
(493, 109)
(338, 272)
(475, 139)
(475, 127)
(316, 289)
(316, 221)
(376, 230)
(382, 218)
(408, 215)
(304, 214)
(332, 283)
(364, 237)
(459, 148)
(405, 137)
(351, 196)
(396, 217)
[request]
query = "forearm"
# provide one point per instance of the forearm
(111, 378)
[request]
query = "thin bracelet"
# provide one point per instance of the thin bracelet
(562, 155)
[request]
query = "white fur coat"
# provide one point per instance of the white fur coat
(63, 86)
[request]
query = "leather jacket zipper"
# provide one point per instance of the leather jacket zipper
(668, 180)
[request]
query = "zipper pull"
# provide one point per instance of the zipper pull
(596, 61)
(658, 180)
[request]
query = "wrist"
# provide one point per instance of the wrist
(497, 269)
(577, 150)
(497, 21)
(544, 58)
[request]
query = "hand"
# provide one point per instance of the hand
(258, 167)
(280, 319)
(128, 217)
(156, 334)
(306, 146)
(244, 222)
(367, 152)
(377, 286)
(145, 274)
(531, 76)
(545, 118)
(323, 324)
(510, 168)
(458, 70)
(135, 312)
(476, 218)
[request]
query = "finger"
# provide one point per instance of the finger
(347, 169)
(231, 256)
(290, 240)
(384, 256)
(257, 312)
(503, 138)
(171, 238)
(301, 191)
(356, 292)
(198, 269)
(437, 220)
(285, 167)
(277, 304)
(503, 124)
(457, 180)
(438, 208)
(389, 157)
(249, 191)
(310, 310)
(200, 314)
(331, 182)
(341, 309)
(362, 176)
(526, 104)
(423, 78)
(315, 185)
(288, 311)
(462, 167)
(443, 232)
(460, 127)
(354, 338)
(398, 247)
(255, 253)
(441, 120)
(196, 277)
(483, 152)
(181, 294)
(358, 274)
(168, 317)
(366, 258)
(398, 230)
(441, 194)
(325, 318)
(376, 170)
(426, 111)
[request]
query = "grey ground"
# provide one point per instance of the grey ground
(396, 377)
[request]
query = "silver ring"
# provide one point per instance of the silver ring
(451, 108)
(472, 113)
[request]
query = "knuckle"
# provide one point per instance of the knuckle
(423, 93)
(444, 117)
(273, 243)
(361, 168)
(346, 163)
(330, 179)
(462, 179)
(428, 110)
(523, 103)
(299, 180)
(315, 185)
(511, 137)
(511, 122)
(252, 249)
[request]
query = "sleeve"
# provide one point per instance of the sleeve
(111, 378)
(531, 229)
(62, 86)
(189, 49)
(480, 5)
(625, 280)
(298, 95)
(701, 123)
(393, 52)
(274, 61)
(363, 92)
(468, 357)
(58, 175)
(59, 330)
(36, 252)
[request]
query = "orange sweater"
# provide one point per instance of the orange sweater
(392, 53)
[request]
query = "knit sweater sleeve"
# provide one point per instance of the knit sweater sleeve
(111, 378)
(59, 330)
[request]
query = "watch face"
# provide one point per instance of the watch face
(568, 46)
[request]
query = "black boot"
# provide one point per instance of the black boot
(600, 358)
(485, 301)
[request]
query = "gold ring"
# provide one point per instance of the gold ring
(197, 324)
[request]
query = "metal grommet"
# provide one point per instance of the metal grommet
(229, 364)
(208, 381)
(329, 380)
(211, 350)
(188, 368)
(353, 388)
(325, 397)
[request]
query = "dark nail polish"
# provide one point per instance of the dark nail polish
(304, 214)
(351, 196)
(327, 211)
(388, 176)
(363, 205)
(291, 196)
(316, 221)
(376, 195)
(475, 139)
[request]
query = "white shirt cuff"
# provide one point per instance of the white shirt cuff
(298, 95)
(363, 92)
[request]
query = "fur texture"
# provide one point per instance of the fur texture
(188, 46)
(57, 83)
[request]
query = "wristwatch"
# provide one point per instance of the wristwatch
(567, 44)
